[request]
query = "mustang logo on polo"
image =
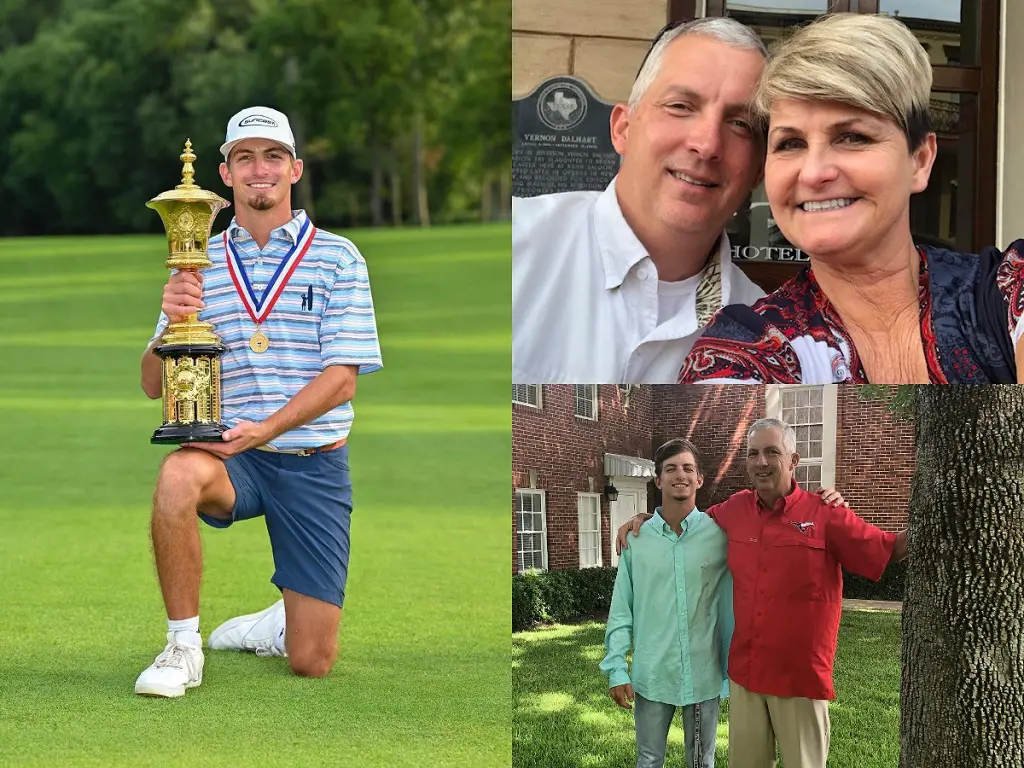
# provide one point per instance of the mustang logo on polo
(802, 527)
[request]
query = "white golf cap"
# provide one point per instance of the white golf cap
(258, 123)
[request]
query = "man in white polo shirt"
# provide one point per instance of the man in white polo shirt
(292, 305)
(615, 286)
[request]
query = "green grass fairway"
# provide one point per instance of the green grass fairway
(423, 676)
(562, 716)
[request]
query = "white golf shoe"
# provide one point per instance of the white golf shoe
(177, 668)
(255, 632)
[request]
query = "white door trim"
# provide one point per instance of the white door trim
(634, 487)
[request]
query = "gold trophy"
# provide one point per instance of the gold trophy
(190, 350)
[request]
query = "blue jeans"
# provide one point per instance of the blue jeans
(700, 724)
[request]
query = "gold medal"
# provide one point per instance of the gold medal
(259, 309)
(259, 342)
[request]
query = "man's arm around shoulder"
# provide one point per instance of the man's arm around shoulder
(723, 511)
(861, 547)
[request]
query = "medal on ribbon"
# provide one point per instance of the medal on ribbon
(259, 342)
(259, 308)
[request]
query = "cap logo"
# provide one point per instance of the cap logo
(258, 120)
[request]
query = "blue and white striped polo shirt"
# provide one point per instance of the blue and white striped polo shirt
(324, 317)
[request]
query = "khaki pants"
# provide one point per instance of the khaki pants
(757, 722)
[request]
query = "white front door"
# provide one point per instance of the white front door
(632, 499)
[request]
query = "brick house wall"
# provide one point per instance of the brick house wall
(874, 451)
(715, 419)
(568, 453)
(875, 460)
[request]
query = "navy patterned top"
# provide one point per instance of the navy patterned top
(971, 318)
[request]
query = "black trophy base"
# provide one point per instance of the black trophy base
(175, 434)
(191, 350)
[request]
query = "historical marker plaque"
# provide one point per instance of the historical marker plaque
(561, 139)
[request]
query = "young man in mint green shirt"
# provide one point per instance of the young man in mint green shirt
(672, 605)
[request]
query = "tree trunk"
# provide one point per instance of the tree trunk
(353, 208)
(304, 188)
(486, 186)
(506, 193)
(421, 210)
(376, 187)
(420, 172)
(396, 189)
(486, 198)
(962, 689)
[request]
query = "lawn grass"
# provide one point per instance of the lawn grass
(562, 716)
(423, 677)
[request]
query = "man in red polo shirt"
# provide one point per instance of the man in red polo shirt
(786, 552)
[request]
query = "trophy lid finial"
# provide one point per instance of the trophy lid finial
(187, 172)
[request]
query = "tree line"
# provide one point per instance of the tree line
(400, 107)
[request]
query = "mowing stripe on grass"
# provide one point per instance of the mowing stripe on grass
(423, 676)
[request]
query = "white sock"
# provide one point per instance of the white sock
(186, 631)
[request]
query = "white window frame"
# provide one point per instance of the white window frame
(519, 530)
(829, 421)
(594, 498)
(593, 389)
(536, 389)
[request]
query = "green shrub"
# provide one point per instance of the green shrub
(527, 606)
(892, 585)
(557, 592)
(568, 596)
(593, 589)
(560, 596)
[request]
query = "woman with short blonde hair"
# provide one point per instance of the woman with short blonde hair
(873, 63)
(845, 106)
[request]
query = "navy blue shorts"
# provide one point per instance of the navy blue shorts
(307, 504)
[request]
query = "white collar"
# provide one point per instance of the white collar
(290, 230)
(620, 248)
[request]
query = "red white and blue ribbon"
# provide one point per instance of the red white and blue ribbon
(259, 308)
